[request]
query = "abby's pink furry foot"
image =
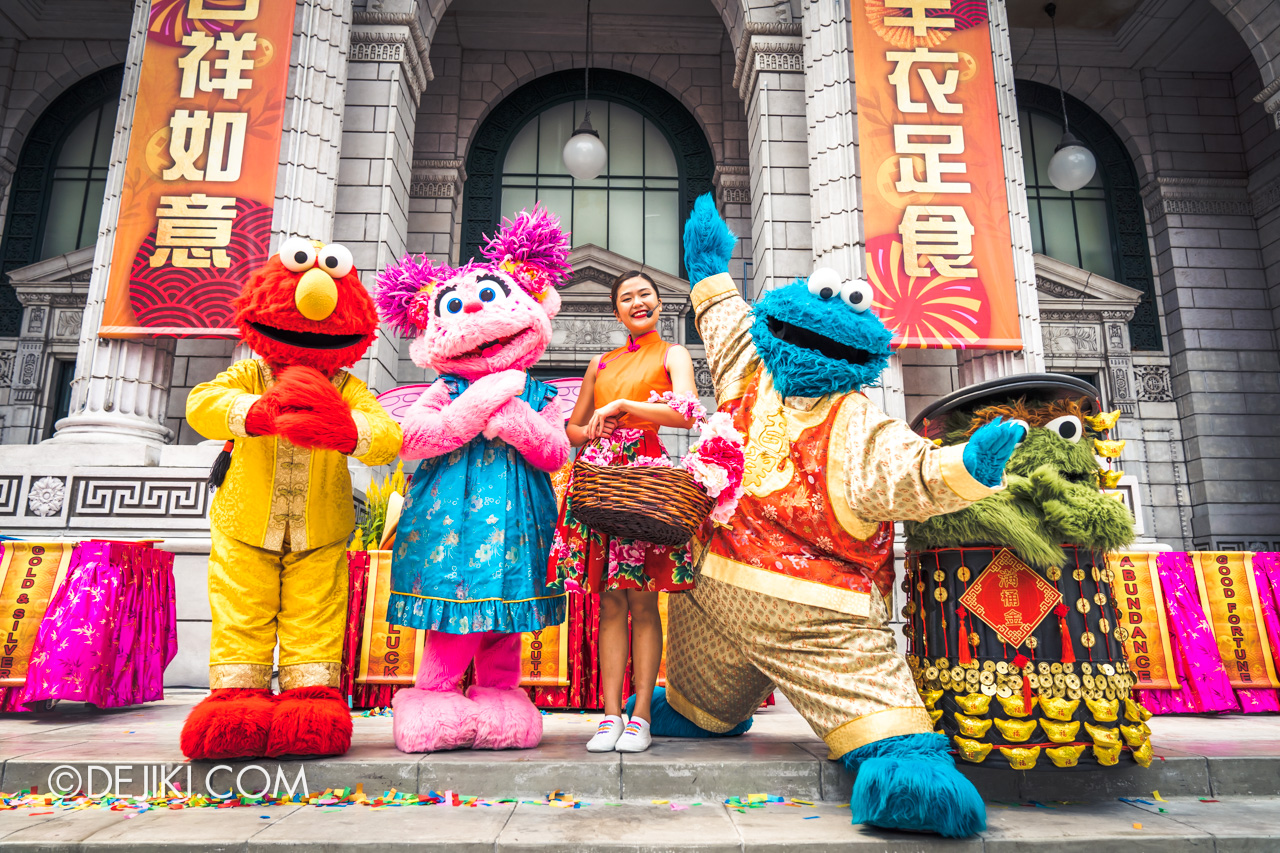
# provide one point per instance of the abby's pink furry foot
(506, 718)
(430, 721)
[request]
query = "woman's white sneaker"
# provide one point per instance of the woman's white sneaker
(635, 736)
(607, 734)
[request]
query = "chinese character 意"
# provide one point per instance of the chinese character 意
(190, 130)
(912, 139)
(197, 11)
(941, 235)
(936, 89)
(1008, 598)
(919, 20)
(196, 229)
(197, 70)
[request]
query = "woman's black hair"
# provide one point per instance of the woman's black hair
(623, 279)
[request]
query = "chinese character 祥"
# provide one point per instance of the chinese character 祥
(191, 130)
(196, 229)
(919, 20)
(198, 71)
(196, 11)
(936, 89)
(909, 139)
(943, 235)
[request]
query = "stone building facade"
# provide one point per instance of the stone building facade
(403, 125)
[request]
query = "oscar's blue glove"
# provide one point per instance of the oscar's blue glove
(708, 242)
(990, 447)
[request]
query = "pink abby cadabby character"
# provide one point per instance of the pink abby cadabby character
(470, 562)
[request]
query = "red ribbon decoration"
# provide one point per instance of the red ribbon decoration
(962, 649)
(1021, 662)
(1068, 652)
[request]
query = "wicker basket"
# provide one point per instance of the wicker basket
(660, 505)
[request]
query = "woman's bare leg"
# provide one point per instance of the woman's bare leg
(613, 648)
(646, 647)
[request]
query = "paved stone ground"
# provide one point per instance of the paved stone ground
(1234, 761)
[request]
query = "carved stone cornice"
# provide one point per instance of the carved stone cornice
(733, 184)
(1166, 196)
(437, 179)
(398, 47)
(1266, 198)
(773, 46)
(1270, 100)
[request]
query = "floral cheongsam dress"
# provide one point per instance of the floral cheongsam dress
(474, 538)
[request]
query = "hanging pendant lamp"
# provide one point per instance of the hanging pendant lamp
(584, 154)
(1072, 165)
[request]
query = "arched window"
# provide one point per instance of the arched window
(56, 197)
(633, 208)
(1101, 227)
(1071, 227)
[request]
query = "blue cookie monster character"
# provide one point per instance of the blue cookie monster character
(819, 343)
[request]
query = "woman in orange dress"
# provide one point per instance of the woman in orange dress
(614, 412)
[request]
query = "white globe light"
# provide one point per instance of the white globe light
(584, 154)
(1072, 165)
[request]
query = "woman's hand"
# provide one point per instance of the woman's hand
(605, 419)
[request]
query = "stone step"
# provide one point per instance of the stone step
(1228, 825)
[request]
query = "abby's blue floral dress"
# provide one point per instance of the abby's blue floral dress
(474, 538)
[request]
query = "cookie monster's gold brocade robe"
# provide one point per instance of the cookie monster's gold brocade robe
(792, 593)
(279, 524)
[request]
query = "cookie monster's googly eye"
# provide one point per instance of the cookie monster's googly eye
(824, 283)
(1067, 427)
(336, 260)
(453, 306)
(857, 295)
(297, 254)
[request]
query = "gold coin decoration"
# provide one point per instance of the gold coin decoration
(1088, 640)
(919, 586)
(1078, 574)
(1108, 575)
(1086, 668)
(988, 689)
(1122, 633)
(987, 678)
(1004, 691)
(958, 674)
(1104, 625)
(1073, 681)
(1100, 599)
(1096, 572)
(1053, 573)
(989, 666)
(1002, 667)
(974, 640)
(1108, 669)
(964, 574)
(1031, 642)
(931, 673)
(1055, 667)
(940, 594)
(1082, 604)
(939, 575)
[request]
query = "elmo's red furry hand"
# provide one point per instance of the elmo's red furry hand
(261, 417)
(312, 412)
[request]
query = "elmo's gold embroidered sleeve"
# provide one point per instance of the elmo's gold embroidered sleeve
(892, 474)
(724, 322)
(378, 436)
(217, 409)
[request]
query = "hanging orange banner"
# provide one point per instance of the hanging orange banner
(389, 654)
(934, 198)
(200, 174)
(544, 657)
(1229, 595)
(32, 573)
(1139, 600)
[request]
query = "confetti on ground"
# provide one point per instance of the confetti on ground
(676, 807)
(1158, 798)
(377, 712)
(813, 817)
(1209, 801)
(1137, 826)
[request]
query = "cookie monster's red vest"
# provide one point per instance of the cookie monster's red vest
(795, 535)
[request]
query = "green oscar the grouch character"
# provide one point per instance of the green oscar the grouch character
(1054, 494)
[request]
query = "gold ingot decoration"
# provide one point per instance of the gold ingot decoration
(1053, 573)
(1060, 732)
(1134, 712)
(975, 705)
(1103, 736)
(1014, 706)
(1107, 756)
(931, 698)
(1088, 639)
(1108, 449)
(1144, 754)
(971, 726)
(1103, 711)
(1065, 756)
(1102, 421)
(1016, 730)
(940, 594)
(1083, 605)
(1021, 757)
(964, 574)
(934, 716)
(1059, 709)
(972, 750)
(1134, 735)
(939, 575)
(1078, 574)
(1110, 479)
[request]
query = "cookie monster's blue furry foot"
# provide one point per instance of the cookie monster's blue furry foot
(708, 242)
(669, 723)
(990, 447)
(911, 782)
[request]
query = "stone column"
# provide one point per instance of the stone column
(770, 80)
(389, 67)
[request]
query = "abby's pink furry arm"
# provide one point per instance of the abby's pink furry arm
(724, 322)
(435, 425)
(539, 436)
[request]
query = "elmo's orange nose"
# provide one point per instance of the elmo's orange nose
(316, 294)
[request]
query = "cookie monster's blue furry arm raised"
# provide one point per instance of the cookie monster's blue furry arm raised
(723, 316)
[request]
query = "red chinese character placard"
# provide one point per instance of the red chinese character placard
(1011, 598)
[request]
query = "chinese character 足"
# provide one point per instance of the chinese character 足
(919, 20)
(197, 71)
(910, 139)
(943, 236)
(195, 230)
(936, 89)
(191, 130)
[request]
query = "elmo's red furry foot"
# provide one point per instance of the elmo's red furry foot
(310, 721)
(232, 722)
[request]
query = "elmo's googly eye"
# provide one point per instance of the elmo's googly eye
(1067, 427)
(824, 283)
(857, 294)
(297, 254)
(336, 260)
